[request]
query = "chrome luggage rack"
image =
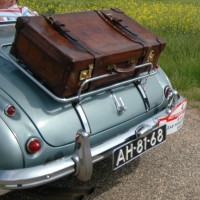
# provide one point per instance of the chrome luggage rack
(5, 52)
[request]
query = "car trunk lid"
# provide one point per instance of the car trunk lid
(58, 123)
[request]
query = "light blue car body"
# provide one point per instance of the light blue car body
(56, 124)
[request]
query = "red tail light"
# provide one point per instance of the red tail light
(167, 91)
(33, 145)
(10, 110)
(156, 66)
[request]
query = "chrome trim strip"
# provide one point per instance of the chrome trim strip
(45, 173)
(83, 118)
(6, 23)
(144, 96)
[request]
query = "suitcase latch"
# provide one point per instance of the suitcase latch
(111, 67)
(85, 74)
(151, 56)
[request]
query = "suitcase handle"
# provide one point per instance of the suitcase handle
(129, 68)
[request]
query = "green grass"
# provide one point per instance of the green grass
(181, 61)
(177, 21)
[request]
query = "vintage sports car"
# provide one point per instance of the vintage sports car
(45, 137)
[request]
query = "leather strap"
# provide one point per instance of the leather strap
(61, 29)
(114, 22)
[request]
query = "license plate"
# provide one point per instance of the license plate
(132, 149)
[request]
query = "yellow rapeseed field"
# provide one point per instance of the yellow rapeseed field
(172, 15)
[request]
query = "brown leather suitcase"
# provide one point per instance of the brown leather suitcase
(65, 49)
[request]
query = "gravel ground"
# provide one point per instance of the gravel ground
(168, 172)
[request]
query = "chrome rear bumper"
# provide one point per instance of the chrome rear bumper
(81, 163)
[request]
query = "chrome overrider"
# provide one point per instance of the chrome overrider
(81, 162)
(172, 99)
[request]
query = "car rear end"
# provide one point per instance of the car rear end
(50, 138)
